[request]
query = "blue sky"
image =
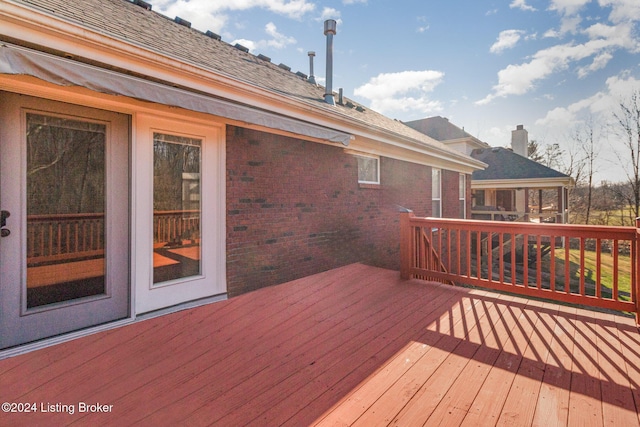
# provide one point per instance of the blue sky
(551, 65)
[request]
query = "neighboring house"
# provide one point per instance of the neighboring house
(512, 186)
(146, 164)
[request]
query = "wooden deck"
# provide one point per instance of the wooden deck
(351, 346)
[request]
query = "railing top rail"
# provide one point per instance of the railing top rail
(59, 217)
(177, 212)
(574, 230)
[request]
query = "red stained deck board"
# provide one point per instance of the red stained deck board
(618, 407)
(585, 398)
(455, 405)
(363, 362)
(342, 343)
(227, 355)
(411, 367)
(630, 343)
(251, 359)
(553, 400)
(519, 408)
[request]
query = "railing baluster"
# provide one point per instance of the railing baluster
(598, 268)
(514, 247)
(490, 257)
(525, 260)
(582, 283)
(614, 254)
(567, 267)
(501, 255)
(552, 268)
(468, 253)
(539, 262)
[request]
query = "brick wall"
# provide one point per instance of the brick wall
(295, 208)
(451, 195)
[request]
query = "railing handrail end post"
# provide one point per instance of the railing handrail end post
(405, 244)
(636, 271)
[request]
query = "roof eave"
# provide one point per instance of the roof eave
(523, 183)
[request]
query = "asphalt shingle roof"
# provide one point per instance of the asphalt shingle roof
(504, 164)
(438, 128)
(149, 30)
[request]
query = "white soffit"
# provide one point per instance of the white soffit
(64, 72)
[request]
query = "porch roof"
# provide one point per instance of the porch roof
(354, 345)
(507, 169)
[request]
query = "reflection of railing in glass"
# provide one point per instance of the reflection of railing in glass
(176, 227)
(62, 237)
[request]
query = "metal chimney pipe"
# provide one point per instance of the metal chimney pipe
(312, 78)
(329, 31)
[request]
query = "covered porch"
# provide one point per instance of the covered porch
(516, 188)
(351, 346)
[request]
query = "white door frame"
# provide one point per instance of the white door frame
(212, 280)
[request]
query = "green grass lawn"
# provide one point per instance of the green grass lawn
(590, 272)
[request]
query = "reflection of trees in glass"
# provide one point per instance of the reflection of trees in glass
(176, 160)
(65, 165)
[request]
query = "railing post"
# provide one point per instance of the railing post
(635, 271)
(405, 245)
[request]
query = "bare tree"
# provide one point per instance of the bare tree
(628, 129)
(586, 140)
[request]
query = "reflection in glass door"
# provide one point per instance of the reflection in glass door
(176, 207)
(65, 209)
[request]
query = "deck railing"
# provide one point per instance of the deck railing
(579, 264)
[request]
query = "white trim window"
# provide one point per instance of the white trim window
(368, 169)
(436, 193)
(462, 195)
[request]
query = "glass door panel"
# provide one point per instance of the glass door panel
(65, 209)
(176, 207)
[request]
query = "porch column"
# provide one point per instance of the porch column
(540, 204)
(527, 209)
(560, 213)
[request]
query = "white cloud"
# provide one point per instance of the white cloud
(425, 25)
(209, 14)
(600, 105)
(599, 62)
(522, 4)
(353, 1)
(402, 91)
(330, 13)
(568, 24)
(604, 40)
(277, 41)
(507, 39)
(622, 10)
(568, 7)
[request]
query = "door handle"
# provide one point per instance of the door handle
(4, 232)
